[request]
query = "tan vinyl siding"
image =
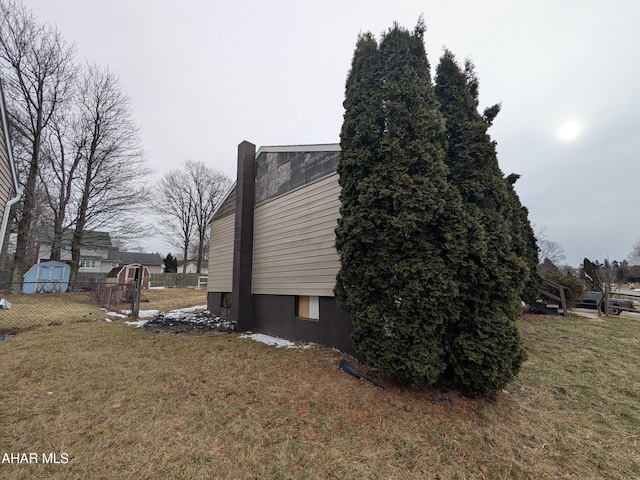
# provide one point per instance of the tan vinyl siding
(220, 277)
(6, 180)
(294, 241)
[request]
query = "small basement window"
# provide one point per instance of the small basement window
(308, 307)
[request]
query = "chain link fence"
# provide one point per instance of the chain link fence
(31, 305)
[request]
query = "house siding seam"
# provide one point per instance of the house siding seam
(294, 241)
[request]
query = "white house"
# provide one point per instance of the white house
(97, 255)
(192, 267)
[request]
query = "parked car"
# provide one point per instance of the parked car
(591, 300)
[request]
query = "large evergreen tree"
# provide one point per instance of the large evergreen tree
(170, 264)
(400, 233)
(486, 350)
(524, 240)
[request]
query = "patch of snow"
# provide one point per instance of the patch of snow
(180, 312)
(116, 314)
(138, 324)
(156, 288)
(269, 340)
(108, 320)
(144, 313)
(191, 309)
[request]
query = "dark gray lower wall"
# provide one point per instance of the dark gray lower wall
(337, 326)
(214, 302)
(219, 303)
(275, 315)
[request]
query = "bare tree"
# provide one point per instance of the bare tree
(634, 256)
(58, 175)
(176, 211)
(189, 198)
(110, 187)
(548, 249)
(38, 67)
(209, 186)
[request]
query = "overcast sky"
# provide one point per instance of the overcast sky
(204, 75)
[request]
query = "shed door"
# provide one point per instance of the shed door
(131, 272)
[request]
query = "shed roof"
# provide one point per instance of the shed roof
(141, 258)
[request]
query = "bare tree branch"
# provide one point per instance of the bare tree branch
(188, 199)
(110, 187)
(634, 256)
(548, 249)
(38, 70)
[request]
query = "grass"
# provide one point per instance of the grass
(29, 311)
(171, 298)
(125, 403)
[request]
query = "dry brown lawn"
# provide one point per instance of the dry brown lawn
(122, 402)
(170, 298)
(30, 311)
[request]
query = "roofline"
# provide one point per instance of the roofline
(224, 199)
(316, 147)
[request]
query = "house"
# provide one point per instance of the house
(192, 267)
(125, 275)
(97, 255)
(47, 277)
(8, 177)
(272, 245)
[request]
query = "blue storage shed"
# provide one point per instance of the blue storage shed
(47, 277)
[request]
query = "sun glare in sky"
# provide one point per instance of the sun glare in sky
(569, 131)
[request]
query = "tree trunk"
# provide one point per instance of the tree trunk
(200, 252)
(56, 241)
(185, 253)
(78, 233)
(24, 224)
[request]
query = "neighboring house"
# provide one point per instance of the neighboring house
(8, 177)
(192, 267)
(97, 255)
(96, 252)
(272, 245)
